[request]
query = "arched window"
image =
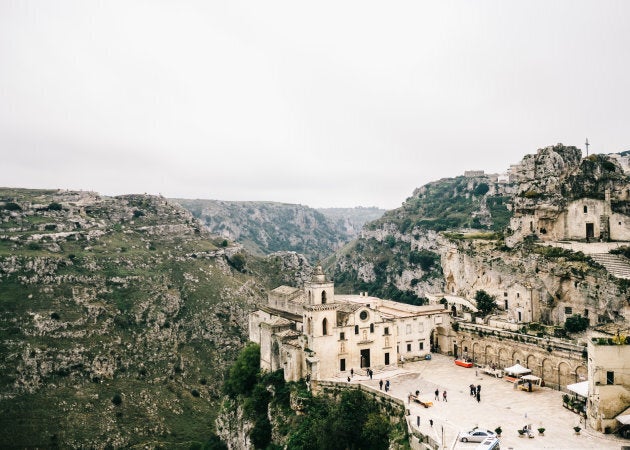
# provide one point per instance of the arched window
(371, 328)
(325, 327)
(323, 297)
(356, 329)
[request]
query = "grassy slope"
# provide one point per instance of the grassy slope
(151, 317)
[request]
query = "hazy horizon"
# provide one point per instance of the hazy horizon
(334, 104)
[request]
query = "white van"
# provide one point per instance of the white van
(490, 443)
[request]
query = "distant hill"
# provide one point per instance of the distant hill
(118, 317)
(267, 227)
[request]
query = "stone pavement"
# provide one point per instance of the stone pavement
(501, 405)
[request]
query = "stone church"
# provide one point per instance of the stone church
(313, 332)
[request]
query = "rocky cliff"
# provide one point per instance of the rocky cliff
(267, 227)
(448, 238)
(118, 317)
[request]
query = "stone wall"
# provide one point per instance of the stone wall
(556, 363)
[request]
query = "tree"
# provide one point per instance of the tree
(481, 189)
(485, 302)
(244, 372)
(576, 323)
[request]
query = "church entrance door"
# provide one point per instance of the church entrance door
(365, 358)
(590, 231)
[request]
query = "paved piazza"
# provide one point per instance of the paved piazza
(500, 405)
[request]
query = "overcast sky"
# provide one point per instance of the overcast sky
(319, 103)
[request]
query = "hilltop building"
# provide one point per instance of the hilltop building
(314, 332)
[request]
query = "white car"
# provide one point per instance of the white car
(476, 435)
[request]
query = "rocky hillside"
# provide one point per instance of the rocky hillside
(398, 255)
(118, 317)
(448, 238)
(266, 227)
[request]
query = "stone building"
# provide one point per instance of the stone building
(608, 383)
(317, 333)
(582, 219)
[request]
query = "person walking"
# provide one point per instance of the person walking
(444, 395)
(387, 386)
(351, 372)
(478, 397)
(431, 422)
(478, 388)
(437, 395)
(380, 385)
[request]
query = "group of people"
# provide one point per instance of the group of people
(369, 372)
(437, 395)
(380, 385)
(475, 391)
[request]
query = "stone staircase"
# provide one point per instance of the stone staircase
(617, 265)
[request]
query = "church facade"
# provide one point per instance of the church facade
(314, 332)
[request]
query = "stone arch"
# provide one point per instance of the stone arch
(518, 357)
(324, 327)
(490, 355)
(564, 374)
(466, 348)
(581, 373)
(504, 358)
(323, 297)
(476, 351)
(548, 372)
(532, 364)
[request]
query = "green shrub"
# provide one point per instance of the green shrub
(238, 261)
(54, 206)
(481, 189)
(485, 302)
(117, 400)
(576, 324)
(12, 206)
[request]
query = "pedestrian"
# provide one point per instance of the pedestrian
(387, 386)
(474, 391)
(417, 393)
(371, 373)
(478, 388)
(380, 385)
(348, 379)
(444, 395)
(478, 397)
(351, 372)
(437, 395)
(431, 422)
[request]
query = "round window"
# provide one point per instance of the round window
(363, 315)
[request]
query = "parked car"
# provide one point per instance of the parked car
(476, 435)
(624, 431)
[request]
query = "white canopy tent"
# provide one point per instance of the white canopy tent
(517, 370)
(580, 388)
(528, 382)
